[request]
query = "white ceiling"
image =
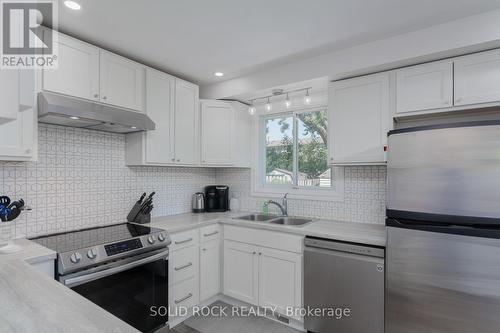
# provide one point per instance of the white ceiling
(195, 38)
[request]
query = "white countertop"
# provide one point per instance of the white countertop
(363, 233)
(32, 302)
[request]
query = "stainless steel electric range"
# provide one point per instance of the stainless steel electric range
(123, 268)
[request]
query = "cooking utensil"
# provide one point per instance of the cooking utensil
(15, 212)
(4, 200)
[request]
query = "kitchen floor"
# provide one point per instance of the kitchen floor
(231, 324)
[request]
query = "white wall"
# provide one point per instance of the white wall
(474, 33)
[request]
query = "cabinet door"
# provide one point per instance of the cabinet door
(359, 119)
(77, 73)
(242, 148)
(477, 78)
(9, 95)
(18, 137)
(424, 87)
(217, 123)
(160, 90)
(209, 269)
(122, 81)
(280, 279)
(186, 123)
(241, 272)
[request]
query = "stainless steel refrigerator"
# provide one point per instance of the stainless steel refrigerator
(443, 219)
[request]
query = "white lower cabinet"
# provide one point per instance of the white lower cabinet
(258, 267)
(260, 275)
(241, 276)
(210, 256)
(280, 279)
(183, 275)
(45, 267)
(183, 295)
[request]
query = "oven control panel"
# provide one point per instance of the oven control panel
(125, 246)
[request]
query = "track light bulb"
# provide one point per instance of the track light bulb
(269, 107)
(288, 103)
(307, 98)
(251, 109)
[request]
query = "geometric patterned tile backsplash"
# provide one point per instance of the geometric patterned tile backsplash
(364, 196)
(81, 180)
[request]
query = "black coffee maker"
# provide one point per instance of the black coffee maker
(217, 198)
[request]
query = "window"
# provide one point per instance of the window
(293, 155)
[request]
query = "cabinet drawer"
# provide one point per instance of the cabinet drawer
(183, 294)
(184, 239)
(183, 264)
(210, 232)
(271, 239)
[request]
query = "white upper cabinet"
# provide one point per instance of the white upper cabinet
(9, 95)
(424, 87)
(160, 90)
(242, 129)
(77, 73)
(217, 127)
(477, 78)
(18, 136)
(186, 123)
(170, 103)
(121, 81)
(359, 119)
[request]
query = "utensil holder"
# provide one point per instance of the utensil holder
(142, 218)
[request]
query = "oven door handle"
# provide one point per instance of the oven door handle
(74, 281)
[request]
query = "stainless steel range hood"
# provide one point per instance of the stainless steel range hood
(69, 111)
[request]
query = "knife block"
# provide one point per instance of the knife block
(142, 218)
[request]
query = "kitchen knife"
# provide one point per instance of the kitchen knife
(142, 197)
(148, 210)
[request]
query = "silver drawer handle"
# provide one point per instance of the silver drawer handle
(183, 267)
(184, 241)
(183, 299)
(211, 234)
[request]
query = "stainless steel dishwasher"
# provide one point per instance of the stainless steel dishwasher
(344, 284)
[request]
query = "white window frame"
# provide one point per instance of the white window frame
(259, 186)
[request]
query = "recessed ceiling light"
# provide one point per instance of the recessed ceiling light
(219, 74)
(133, 127)
(72, 5)
(74, 118)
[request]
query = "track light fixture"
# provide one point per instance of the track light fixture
(278, 92)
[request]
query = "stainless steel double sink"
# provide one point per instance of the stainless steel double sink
(275, 219)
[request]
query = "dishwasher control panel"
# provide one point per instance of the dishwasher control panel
(334, 245)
